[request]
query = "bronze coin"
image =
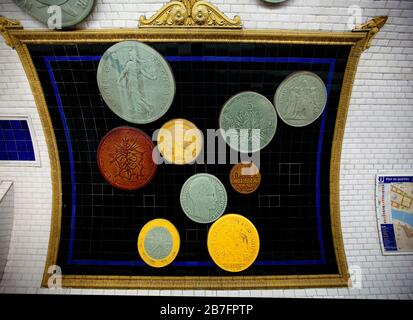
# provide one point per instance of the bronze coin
(125, 158)
(245, 178)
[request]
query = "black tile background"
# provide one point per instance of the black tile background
(283, 208)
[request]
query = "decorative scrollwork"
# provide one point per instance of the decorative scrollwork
(174, 13)
(5, 26)
(190, 13)
(372, 27)
(204, 13)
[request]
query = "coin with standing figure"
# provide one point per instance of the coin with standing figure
(245, 178)
(136, 82)
(203, 198)
(233, 242)
(124, 158)
(301, 98)
(248, 122)
(158, 243)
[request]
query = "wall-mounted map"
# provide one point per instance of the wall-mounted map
(394, 207)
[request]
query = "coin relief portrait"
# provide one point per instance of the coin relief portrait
(203, 198)
(136, 82)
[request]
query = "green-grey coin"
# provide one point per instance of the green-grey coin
(248, 122)
(301, 98)
(203, 198)
(136, 82)
(158, 243)
(58, 14)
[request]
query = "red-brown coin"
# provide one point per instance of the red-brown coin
(245, 178)
(125, 158)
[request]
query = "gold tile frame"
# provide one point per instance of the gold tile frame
(359, 39)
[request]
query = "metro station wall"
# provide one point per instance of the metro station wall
(378, 138)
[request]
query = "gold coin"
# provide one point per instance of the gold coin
(245, 178)
(179, 141)
(158, 243)
(233, 242)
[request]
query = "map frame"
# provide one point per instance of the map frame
(387, 232)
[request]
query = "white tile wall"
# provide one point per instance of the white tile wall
(378, 137)
(6, 221)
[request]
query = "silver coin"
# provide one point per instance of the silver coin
(248, 122)
(136, 82)
(301, 98)
(58, 14)
(203, 198)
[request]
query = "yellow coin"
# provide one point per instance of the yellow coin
(158, 243)
(233, 242)
(180, 141)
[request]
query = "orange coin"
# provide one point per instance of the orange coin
(124, 158)
(245, 178)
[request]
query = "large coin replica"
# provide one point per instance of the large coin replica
(58, 14)
(124, 158)
(180, 141)
(248, 122)
(245, 178)
(158, 243)
(301, 98)
(233, 243)
(203, 198)
(136, 82)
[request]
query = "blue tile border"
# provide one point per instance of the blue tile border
(15, 140)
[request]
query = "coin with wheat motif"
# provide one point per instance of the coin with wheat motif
(248, 122)
(158, 243)
(233, 242)
(124, 158)
(203, 198)
(301, 98)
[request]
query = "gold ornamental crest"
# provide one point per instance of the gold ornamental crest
(190, 13)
